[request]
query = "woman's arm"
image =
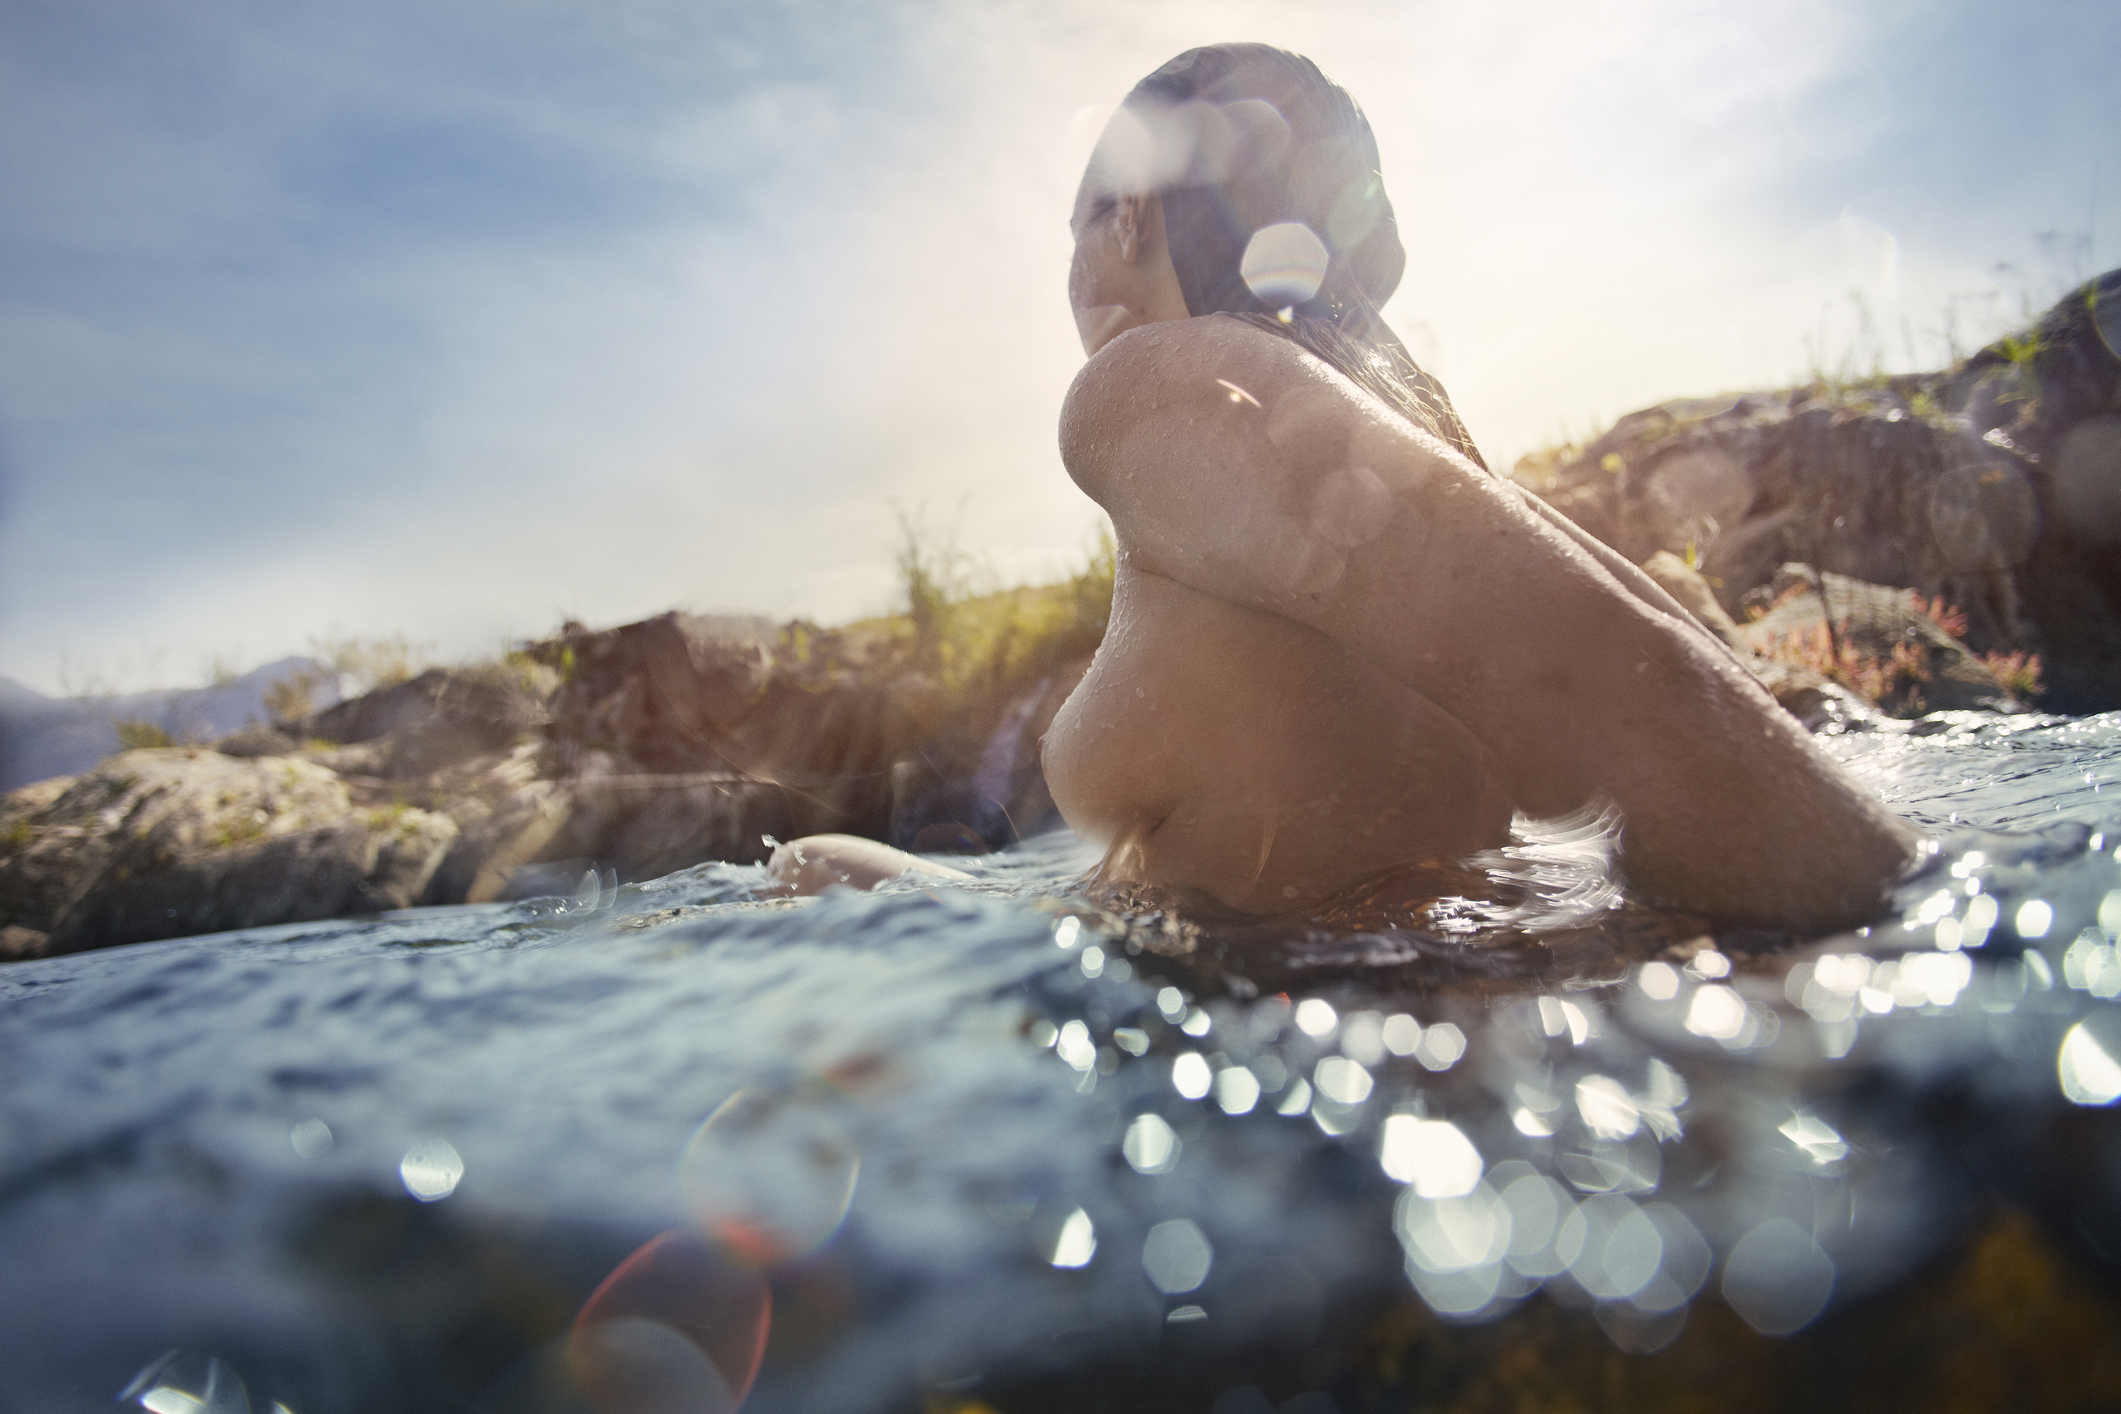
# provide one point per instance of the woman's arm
(1241, 466)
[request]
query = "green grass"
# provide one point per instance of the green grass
(136, 734)
(972, 639)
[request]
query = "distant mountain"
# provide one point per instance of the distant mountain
(44, 736)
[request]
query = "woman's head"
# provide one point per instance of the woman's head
(1251, 148)
(1239, 179)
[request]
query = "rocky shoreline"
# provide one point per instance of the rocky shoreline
(1878, 549)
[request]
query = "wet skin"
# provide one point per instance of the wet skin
(1336, 646)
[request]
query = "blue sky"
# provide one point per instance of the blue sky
(449, 318)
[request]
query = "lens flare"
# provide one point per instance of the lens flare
(680, 1324)
(769, 1173)
(1284, 263)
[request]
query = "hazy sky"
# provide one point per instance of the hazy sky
(449, 318)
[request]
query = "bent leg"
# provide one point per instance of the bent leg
(817, 862)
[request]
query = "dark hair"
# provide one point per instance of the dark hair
(1245, 136)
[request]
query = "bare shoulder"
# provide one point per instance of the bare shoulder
(1186, 374)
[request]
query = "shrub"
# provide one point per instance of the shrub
(1826, 650)
(2019, 673)
(135, 734)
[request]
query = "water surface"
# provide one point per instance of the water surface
(1005, 1144)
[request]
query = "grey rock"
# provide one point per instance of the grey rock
(174, 841)
(1990, 485)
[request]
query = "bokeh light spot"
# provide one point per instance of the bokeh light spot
(1777, 1278)
(1077, 1242)
(1150, 1146)
(1284, 263)
(2087, 1067)
(1433, 1156)
(1176, 1255)
(431, 1170)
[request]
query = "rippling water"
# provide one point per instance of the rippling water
(1004, 1146)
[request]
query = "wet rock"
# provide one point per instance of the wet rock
(174, 841)
(1989, 485)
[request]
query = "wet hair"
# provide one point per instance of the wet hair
(1237, 138)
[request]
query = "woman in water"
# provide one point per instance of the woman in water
(1338, 645)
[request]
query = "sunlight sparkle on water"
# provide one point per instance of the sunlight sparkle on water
(1191, 1075)
(431, 1170)
(1608, 1110)
(2087, 1069)
(1342, 1080)
(1432, 1156)
(1236, 1090)
(1315, 1017)
(1981, 916)
(1176, 1256)
(1362, 1037)
(1075, 1046)
(1441, 1046)
(1077, 1242)
(1400, 1033)
(1151, 1146)
(1716, 1012)
(1820, 1141)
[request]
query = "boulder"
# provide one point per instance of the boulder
(439, 719)
(1925, 667)
(173, 841)
(639, 750)
(1994, 486)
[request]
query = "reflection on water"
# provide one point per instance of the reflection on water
(176, 1383)
(862, 1152)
